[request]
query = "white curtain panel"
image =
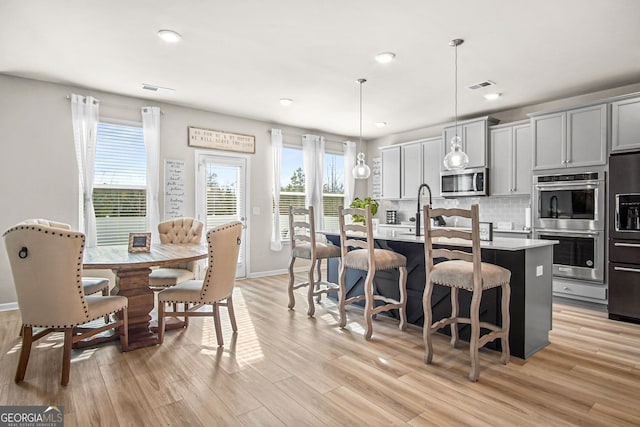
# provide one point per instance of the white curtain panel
(85, 116)
(151, 132)
(313, 163)
(276, 156)
(349, 180)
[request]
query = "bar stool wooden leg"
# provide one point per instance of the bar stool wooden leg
(506, 321)
(403, 298)
(369, 304)
(454, 314)
(342, 295)
(475, 335)
(292, 300)
(312, 287)
(428, 320)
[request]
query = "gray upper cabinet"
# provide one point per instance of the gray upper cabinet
(432, 157)
(571, 138)
(390, 172)
(474, 134)
(510, 170)
(411, 170)
(625, 125)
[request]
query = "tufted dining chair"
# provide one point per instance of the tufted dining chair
(304, 244)
(359, 252)
(178, 231)
(466, 271)
(46, 264)
(217, 287)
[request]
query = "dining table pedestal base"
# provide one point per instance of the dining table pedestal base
(133, 283)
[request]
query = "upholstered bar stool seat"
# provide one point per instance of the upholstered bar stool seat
(304, 244)
(465, 271)
(358, 252)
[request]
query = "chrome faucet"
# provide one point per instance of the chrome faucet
(419, 207)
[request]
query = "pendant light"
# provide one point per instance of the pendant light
(456, 159)
(361, 170)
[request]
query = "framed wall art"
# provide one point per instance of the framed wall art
(218, 140)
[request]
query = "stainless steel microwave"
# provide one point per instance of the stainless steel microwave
(465, 182)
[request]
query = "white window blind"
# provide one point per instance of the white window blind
(292, 188)
(119, 194)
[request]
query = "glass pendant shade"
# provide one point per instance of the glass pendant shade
(361, 170)
(456, 159)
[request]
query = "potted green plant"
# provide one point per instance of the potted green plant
(362, 203)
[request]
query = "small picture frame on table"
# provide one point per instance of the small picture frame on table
(139, 242)
(486, 231)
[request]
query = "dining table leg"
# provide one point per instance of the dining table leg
(133, 283)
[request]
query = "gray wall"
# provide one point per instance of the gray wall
(39, 178)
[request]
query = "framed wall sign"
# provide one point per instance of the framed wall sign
(486, 231)
(139, 242)
(207, 138)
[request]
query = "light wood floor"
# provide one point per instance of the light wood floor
(283, 368)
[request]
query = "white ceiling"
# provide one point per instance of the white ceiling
(241, 56)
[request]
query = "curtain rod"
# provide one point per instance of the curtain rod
(121, 107)
(301, 135)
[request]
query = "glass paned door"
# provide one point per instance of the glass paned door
(222, 196)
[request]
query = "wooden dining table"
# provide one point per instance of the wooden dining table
(132, 271)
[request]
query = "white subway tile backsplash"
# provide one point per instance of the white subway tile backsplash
(492, 209)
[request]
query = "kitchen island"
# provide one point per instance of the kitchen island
(530, 263)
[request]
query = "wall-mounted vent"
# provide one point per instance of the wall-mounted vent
(481, 85)
(155, 88)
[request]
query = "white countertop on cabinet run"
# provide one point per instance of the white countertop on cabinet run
(498, 243)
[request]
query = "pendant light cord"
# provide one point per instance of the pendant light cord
(455, 88)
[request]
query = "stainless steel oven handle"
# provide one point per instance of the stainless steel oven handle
(568, 185)
(627, 245)
(627, 269)
(475, 181)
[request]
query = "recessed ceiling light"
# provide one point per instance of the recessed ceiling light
(381, 124)
(169, 36)
(492, 96)
(385, 57)
(286, 101)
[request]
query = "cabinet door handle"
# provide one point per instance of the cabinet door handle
(627, 269)
(627, 245)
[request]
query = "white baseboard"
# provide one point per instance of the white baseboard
(9, 306)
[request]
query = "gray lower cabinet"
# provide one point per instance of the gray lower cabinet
(571, 138)
(510, 168)
(432, 157)
(625, 124)
(390, 173)
(474, 135)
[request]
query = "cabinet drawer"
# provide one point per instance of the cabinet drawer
(624, 251)
(624, 294)
(580, 290)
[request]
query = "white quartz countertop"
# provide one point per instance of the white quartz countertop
(499, 243)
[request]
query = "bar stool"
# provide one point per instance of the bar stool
(302, 232)
(463, 270)
(370, 259)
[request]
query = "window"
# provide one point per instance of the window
(292, 187)
(119, 193)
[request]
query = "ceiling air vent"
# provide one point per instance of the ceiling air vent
(149, 87)
(481, 85)
(155, 88)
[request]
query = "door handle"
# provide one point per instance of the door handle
(627, 269)
(627, 245)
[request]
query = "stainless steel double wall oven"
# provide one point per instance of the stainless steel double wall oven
(570, 208)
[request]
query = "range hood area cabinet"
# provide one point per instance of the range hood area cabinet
(625, 124)
(407, 165)
(510, 152)
(570, 138)
(474, 134)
